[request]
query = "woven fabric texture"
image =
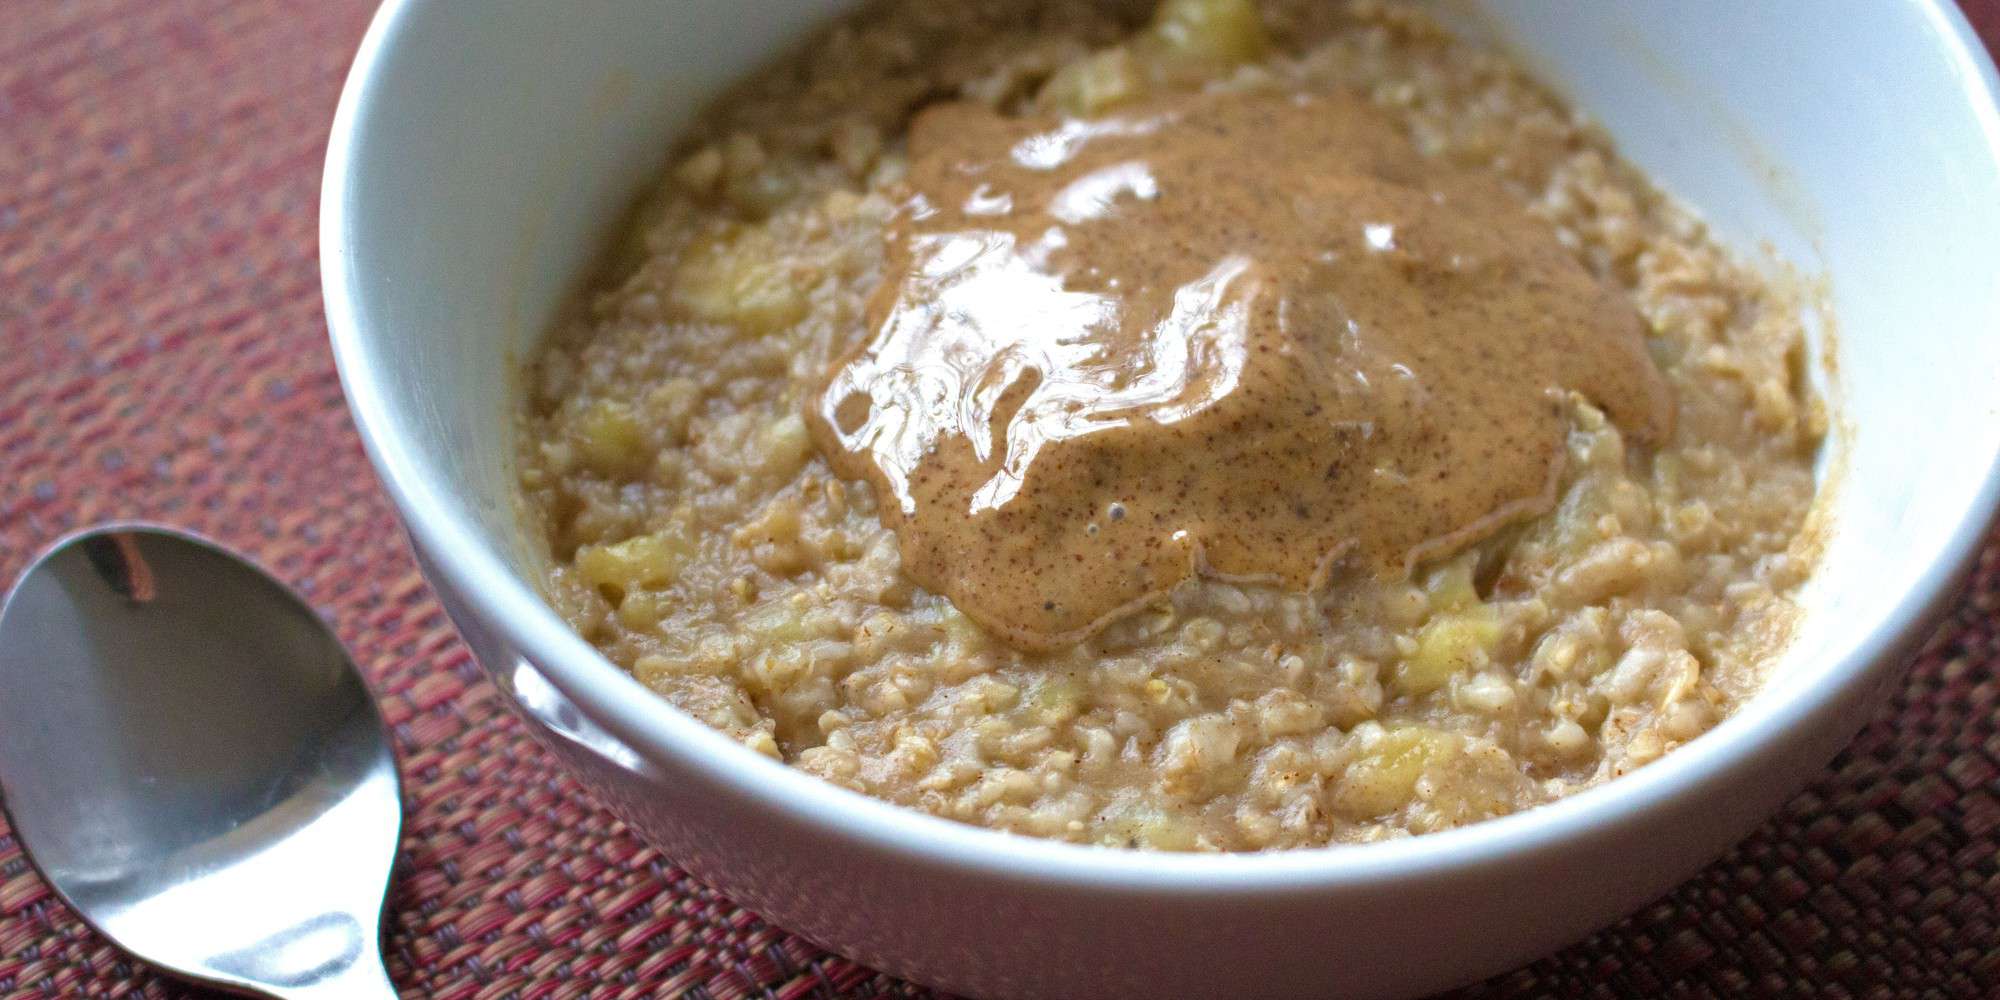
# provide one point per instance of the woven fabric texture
(163, 355)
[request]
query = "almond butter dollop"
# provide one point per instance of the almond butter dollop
(1254, 336)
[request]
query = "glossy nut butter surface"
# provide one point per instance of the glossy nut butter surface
(1255, 336)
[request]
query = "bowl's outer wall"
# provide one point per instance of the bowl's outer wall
(485, 151)
(983, 934)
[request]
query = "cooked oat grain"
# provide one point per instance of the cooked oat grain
(700, 540)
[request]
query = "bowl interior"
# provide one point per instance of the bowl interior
(493, 148)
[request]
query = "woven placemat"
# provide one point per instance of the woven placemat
(162, 355)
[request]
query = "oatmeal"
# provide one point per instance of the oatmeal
(1218, 427)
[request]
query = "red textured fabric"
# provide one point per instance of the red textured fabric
(163, 355)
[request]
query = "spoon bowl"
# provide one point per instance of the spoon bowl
(191, 760)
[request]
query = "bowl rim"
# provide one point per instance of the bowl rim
(635, 715)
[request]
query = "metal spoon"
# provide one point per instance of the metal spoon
(193, 763)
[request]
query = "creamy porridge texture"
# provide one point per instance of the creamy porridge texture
(1223, 426)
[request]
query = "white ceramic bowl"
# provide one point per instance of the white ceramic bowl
(482, 152)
